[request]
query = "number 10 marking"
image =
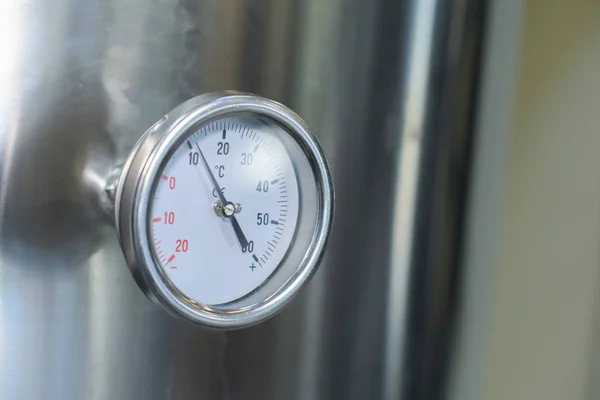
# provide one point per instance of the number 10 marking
(169, 218)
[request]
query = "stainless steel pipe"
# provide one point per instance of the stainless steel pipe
(389, 88)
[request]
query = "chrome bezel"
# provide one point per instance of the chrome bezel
(142, 171)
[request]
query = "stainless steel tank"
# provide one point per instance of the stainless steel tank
(389, 88)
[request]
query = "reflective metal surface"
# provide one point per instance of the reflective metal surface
(386, 85)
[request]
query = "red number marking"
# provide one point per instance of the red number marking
(172, 183)
(181, 245)
(156, 219)
(169, 218)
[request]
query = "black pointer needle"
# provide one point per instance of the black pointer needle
(236, 226)
(238, 232)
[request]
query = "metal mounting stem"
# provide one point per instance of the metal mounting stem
(107, 196)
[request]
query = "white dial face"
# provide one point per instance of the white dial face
(219, 242)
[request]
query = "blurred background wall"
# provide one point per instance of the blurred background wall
(544, 333)
(533, 301)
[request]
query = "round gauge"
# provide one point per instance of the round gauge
(223, 209)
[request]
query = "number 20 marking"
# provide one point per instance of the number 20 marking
(181, 246)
